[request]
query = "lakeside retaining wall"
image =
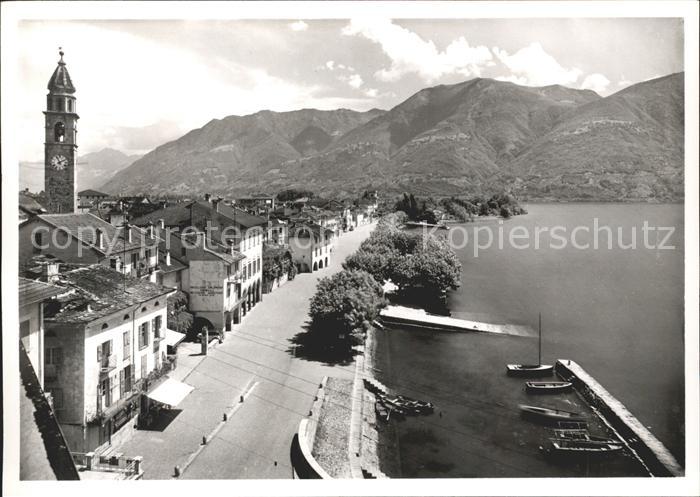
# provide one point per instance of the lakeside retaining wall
(304, 464)
(651, 452)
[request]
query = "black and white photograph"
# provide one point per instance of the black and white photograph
(448, 247)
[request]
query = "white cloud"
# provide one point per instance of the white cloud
(371, 92)
(512, 79)
(624, 81)
(532, 66)
(298, 26)
(117, 92)
(409, 53)
(355, 80)
(596, 82)
(330, 65)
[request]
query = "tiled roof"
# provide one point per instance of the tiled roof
(31, 291)
(173, 215)
(238, 216)
(175, 264)
(179, 215)
(30, 205)
(317, 230)
(99, 291)
(78, 225)
(43, 451)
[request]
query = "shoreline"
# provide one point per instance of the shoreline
(386, 451)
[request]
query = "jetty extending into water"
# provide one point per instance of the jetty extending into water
(645, 446)
(409, 316)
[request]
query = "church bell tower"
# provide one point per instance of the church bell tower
(60, 145)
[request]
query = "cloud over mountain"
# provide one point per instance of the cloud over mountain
(411, 54)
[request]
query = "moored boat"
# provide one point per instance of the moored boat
(579, 434)
(547, 386)
(588, 447)
(550, 415)
(529, 370)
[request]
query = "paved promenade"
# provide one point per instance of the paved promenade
(255, 441)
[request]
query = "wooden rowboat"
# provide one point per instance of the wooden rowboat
(550, 415)
(547, 386)
(587, 447)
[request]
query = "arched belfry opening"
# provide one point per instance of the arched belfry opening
(59, 132)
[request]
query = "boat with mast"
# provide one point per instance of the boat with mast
(529, 370)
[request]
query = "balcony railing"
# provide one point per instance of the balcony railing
(130, 467)
(108, 363)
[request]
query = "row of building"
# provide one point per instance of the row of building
(101, 278)
(99, 339)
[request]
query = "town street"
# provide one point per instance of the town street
(255, 441)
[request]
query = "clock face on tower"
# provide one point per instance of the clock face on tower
(59, 162)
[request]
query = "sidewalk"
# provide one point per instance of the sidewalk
(197, 415)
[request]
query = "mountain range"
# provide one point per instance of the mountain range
(93, 169)
(478, 136)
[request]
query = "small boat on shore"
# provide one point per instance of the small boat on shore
(547, 386)
(530, 370)
(550, 415)
(585, 447)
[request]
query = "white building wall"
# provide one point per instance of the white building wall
(34, 341)
(95, 335)
(206, 285)
(301, 249)
(252, 247)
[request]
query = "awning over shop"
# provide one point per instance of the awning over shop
(170, 392)
(173, 338)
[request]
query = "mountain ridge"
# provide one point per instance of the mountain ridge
(476, 136)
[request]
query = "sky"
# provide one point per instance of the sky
(142, 83)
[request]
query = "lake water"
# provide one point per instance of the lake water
(617, 312)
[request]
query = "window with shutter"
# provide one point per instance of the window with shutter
(121, 384)
(99, 353)
(126, 340)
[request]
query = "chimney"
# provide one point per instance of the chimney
(215, 202)
(150, 230)
(161, 224)
(207, 197)
(167, 257)
(50, 272)
(201, 239)
(99, 238)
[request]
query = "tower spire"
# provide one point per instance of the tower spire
(60, 52)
